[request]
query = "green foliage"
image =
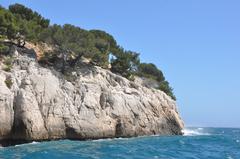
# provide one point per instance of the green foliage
(69, 37)
(94, 44)
(125, 63)
(19, 23)
(27, 14)
(8, 64)
(8, 61)
(100, 60)
(149, 70)
(8, 25)
(164, 86)
(104, 42)
(9, 82)
(7, 68)
(3, 49)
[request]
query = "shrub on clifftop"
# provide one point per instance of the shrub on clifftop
(19, 23)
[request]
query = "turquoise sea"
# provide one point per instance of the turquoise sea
(197, 143)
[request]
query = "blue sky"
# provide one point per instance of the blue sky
(195, 43)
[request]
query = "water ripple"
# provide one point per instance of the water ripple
(195, 145)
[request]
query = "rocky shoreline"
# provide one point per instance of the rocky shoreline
(40, 104)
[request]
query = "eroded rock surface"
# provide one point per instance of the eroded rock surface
(42, 105)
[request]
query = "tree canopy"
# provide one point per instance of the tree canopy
(125, 63)
(19, 24)
(150, 70)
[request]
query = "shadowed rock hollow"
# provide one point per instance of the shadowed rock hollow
(41, 105)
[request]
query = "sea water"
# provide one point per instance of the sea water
(197, 143)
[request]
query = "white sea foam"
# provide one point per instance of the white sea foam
(34, 142)
(194, 132)
(109, 139)
(100, 140)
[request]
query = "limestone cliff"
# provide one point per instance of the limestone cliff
(38, 103)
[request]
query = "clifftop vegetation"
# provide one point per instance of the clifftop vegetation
(19, 24)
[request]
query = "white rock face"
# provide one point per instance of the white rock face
(6, 108)
(42, 105)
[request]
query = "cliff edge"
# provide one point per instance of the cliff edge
(38, 103)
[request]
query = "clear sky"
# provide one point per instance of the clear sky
(195, 43)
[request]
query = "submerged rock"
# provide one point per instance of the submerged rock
(41, 104)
